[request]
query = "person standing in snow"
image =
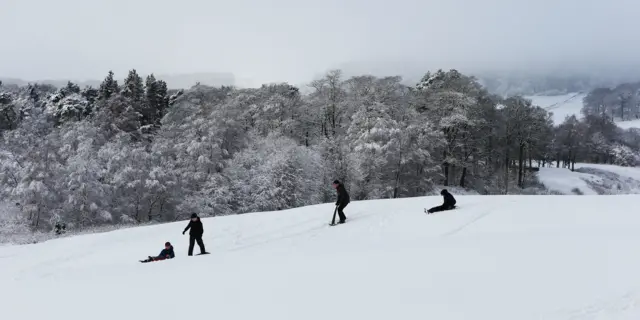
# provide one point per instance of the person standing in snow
(343, 199)
(195, 233)
(449, 202)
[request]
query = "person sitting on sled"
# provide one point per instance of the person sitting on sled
(449, 202)
(166, 253)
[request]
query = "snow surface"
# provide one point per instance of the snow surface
(590, 179)
(565, 181)
(562, 106)
(629, 124)
(496, 257)
(630, 172)
(570, 104)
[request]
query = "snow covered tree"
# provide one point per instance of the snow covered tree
(141, 153)
(274, 174)
(8, 112)
(328, 100)
(34, 146)
(449, 99)
(570, 141)
(109, 87)
(156, 101)
(68, 104)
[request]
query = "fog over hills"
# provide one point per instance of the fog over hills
(174, 81)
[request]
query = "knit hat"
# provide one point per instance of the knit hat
(167, 244)
(194, 215)
(336, 182)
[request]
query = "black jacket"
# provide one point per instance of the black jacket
(449, 200)
(343, 196)
(196, 228)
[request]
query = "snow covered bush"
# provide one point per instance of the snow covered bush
(624, 156)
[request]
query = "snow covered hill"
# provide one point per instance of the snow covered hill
(591, 179)
(571, 104)
(496, 257)
(562, 106)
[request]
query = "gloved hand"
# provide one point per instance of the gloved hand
(183, 232)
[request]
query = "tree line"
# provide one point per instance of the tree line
(138, 152)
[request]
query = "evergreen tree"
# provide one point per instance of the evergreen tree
(133, 89)
(108, 87)
(156, 101)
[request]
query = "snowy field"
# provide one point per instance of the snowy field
(497, 257)
(591, 179)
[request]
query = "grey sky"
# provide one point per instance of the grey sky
(289, 40)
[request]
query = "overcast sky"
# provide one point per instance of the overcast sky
(295, 40)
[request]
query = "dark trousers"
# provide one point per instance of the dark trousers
(158, 258)
(192, 241)
(341, 213)
(441, 208)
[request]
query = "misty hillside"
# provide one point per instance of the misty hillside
(547, 81)
(174, 81)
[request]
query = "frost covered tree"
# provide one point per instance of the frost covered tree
(449, 98)
(68, 104)
(109, 87)
(8, 112)
(328, 101)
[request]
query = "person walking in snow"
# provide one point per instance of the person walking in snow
(195, 233)
(449, 202)
(343, 199)
(166, 253)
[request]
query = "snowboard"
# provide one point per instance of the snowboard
(148, 260)
(199, 254)
(454, 208)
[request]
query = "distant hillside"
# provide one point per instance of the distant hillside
(174, 81)
(546, 81)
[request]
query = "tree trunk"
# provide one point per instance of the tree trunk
(464, 174)
(446, 171)
(397, 182)
(446, 174)
(520, 164)
(506, 174)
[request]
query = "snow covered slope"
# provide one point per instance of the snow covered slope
(571, 104)
(629, 124)
(591, 179)
(565, 181)
(562, 106)
(497, 257)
